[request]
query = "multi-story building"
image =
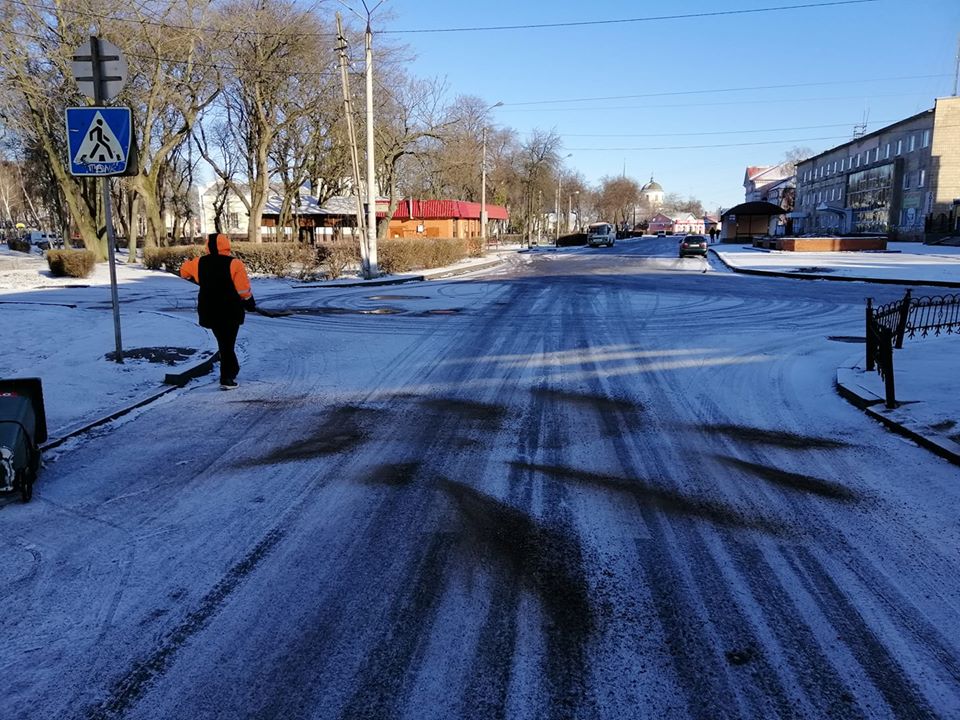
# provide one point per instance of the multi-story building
(900, 180)
(775, 184)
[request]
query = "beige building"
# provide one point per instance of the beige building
(901, 180)
(651, 195)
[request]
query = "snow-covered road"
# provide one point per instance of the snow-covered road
(594, 484)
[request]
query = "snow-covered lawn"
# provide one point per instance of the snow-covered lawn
(61, 330)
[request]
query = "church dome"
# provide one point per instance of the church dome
(651, 186)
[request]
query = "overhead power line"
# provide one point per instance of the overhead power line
(202, 64)
(624, 21)
(718, 132)
(153, 20)
(712, 103)
(703, 147)
(846, 137)
(705, 91)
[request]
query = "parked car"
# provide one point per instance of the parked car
(693, 245)
(42, 240)
(601, 234)
(661, 233)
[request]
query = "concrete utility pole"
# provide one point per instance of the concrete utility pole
(559, 195)
(556, 240)
(483, 180)
(371, 270)
(352, 139)
(483, 191)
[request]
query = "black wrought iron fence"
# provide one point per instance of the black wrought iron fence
(938, 314)
(887, 325)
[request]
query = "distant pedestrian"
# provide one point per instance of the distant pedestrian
(224, 295)
(713, 234)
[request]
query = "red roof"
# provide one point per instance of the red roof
(442, 210)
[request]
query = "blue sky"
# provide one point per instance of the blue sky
(859, 49)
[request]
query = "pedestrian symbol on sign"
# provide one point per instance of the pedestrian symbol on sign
(99, 145)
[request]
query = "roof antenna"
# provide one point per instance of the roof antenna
(860, 129)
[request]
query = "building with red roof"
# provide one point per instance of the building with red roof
(440, 218)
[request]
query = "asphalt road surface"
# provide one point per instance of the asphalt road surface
(601, 483)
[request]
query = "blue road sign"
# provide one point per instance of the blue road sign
(99, 139)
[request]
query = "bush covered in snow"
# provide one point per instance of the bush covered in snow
(71, 263)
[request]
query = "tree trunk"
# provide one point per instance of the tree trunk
(151, 210)
(132, 229)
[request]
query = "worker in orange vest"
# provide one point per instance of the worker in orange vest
(224, 296)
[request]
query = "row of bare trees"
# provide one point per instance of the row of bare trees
(249, 90)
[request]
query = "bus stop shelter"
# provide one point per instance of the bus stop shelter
(749, 219)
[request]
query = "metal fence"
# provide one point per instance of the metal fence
(888, 325)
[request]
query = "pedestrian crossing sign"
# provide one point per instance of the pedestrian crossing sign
(99, 140)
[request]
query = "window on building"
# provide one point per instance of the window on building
(926, 139)
(886, 152)
(869, 195)
(234, 221)
(876, 153)
(900, 146)
(923, 178)
(819, 196)
(906, 181)
(842, 160)
(913, 143)
(850, 162)
(858, 159)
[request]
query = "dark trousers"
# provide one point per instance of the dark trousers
(226, 340)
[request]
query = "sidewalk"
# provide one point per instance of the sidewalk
(902, 264)
(927, 391)
(927, 382)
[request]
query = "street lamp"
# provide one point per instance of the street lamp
(557, 206)
(483, 182)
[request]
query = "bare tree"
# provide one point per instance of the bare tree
(273, 45)
(173, 81)
(411, 116)
(674, 203)
(537, 160)
(35, 86)
(796, 155)
(616, 198)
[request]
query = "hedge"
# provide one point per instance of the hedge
(170, 258)
(398, 255)
(71, 263)
(338, 256)
(395, 255)
(278, 259)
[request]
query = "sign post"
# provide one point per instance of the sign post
(98, 148)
